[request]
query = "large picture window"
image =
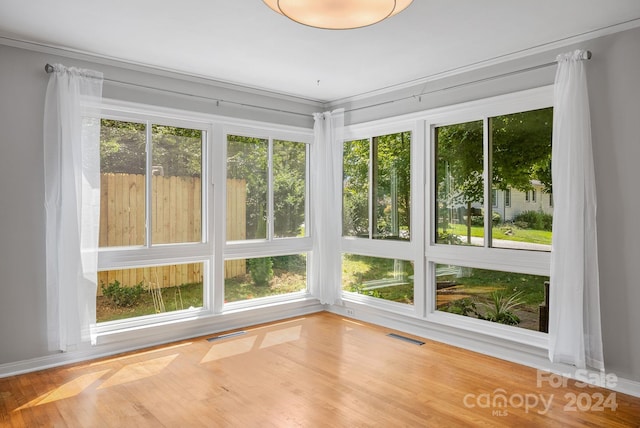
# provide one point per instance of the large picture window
(152, 254)
(267, 211)
(519, 149)
(376, 210)
(490, 237)
(376, 201)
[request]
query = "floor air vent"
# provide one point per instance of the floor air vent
(406, 339)
(226, 336)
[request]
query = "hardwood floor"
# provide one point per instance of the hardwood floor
(313, 371)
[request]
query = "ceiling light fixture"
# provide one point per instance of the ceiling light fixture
(338, 14)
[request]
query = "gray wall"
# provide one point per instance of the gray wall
(22, 89)
(614, 84)
(614, 90)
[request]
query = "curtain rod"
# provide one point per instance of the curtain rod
(586, 55)
(50, 69)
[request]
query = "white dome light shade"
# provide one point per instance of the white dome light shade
(338, 14)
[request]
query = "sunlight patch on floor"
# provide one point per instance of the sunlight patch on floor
(220, 350)
(66, 390)
(137, 371)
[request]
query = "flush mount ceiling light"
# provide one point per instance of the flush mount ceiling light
(338, 14)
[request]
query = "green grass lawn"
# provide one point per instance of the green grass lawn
(499, 232)
(242, 287)
(358, 270)
(191, 297)
(482, 282)
(236, 289)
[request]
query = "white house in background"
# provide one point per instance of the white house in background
(511, 202)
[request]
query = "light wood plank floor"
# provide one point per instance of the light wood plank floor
(313, 371)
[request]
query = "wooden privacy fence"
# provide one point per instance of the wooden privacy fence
(176, 207)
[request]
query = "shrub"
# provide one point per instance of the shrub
(501, 308)
(448, 238)
(261, 270)
(295, 263)
(535, 220)
(122, 296)
(465, 307)
(478, 220)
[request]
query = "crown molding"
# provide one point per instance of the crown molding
(17, 42)
(502, 59)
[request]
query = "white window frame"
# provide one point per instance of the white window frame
(271, 246)
(392, 249)
(151, 255)
(518, 261)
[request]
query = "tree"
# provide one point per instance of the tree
(355, 198)
(247, 159)
(123, 146)
(521, 144)
(521, 152)
(390, 183)
(459, 166)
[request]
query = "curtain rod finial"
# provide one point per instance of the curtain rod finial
(49, 68)
(586, 55)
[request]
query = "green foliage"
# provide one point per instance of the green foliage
(501, 307)
(391, 185)
(478, 220)
(465, 307)
(191, 298)
(122, 296)
(289, 188)
(247, 159)
(537, 220)
(521, 145)
(355, 201)
(446, 237)
(521, 152)
(123, 149)
(261, 270)
(295, 263)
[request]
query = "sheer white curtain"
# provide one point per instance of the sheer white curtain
(72, 205)
(326, 183)
(574, 320)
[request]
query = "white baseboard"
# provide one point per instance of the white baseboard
(157, 335)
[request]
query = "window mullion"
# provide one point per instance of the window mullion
(149, 183)
(372, 159)
(270, 210)
(487, 173)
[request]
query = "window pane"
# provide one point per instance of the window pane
(265, 276)
(122, 183)
(383, 278)
(504, 297)
(176, 189)
(391, 178)
(247, 182)
(521, 145)
(289, 188)
(130, 293)
(355, 190)
(459, 184)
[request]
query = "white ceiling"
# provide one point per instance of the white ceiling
(244, 42)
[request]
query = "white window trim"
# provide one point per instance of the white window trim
(212, 250)
(519, 261)
(402, 250)
(271, 246)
